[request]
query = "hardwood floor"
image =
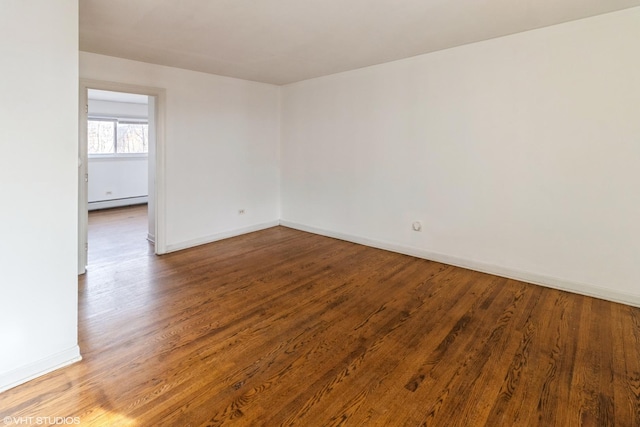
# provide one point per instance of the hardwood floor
(282, 327)
(117, 235)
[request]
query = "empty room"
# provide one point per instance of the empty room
(360, 212)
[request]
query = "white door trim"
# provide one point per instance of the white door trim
(159, 193)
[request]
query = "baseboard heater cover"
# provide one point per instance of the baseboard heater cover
(115, 203)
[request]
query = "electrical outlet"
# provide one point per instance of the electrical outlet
(417, 226)
(240, 211)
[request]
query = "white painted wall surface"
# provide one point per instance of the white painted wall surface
(118, 109)
(117, 178)
(39, 175)
(221, 148)
(520, 155)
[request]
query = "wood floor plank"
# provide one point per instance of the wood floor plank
(629, 383)
(282, 327)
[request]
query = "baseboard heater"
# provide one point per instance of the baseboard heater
(115, 203)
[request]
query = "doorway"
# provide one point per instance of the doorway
(108, 113)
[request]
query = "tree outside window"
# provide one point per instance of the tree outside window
(112, 136)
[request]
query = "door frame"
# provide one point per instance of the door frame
(83, 158)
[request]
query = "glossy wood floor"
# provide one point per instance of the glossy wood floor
(282, 327)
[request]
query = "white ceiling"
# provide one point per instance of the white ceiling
(284, 41)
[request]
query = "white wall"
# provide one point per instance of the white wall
(520, 155)
(38, 168)
(221, 148)
(115, 178)
(118, 109)
(117, 181)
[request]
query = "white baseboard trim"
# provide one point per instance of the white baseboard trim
(524, 276)
(41, 367)
(117, 203)
(151, 238)
(220, 236)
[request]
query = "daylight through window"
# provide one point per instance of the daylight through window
(112, 136)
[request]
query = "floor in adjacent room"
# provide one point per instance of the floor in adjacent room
(282, 327)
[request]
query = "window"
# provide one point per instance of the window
(113, 136)
(133, 137)
(102, 137)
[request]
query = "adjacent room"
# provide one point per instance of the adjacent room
(118, 176)
(367, 213)
(118, 147)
